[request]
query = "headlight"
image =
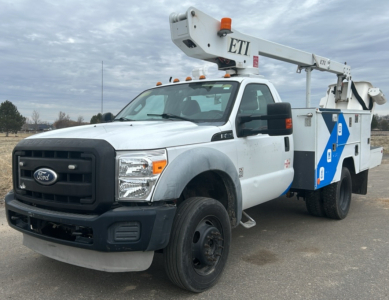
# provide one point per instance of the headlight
(137, 173)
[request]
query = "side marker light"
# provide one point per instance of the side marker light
(158, 166)
(288, 123)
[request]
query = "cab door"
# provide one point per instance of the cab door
(264, 162)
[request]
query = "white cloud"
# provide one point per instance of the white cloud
(52, 52)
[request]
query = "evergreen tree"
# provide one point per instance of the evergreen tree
(374, 122)
(10, 118)
(384, 125)
(96, 119)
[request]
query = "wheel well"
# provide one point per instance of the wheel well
(349, 164)
(216, 185)
(358, 181)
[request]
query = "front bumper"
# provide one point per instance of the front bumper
(132, 228)
(102, 261)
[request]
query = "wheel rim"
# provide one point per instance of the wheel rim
(207, 245)
(344, 195)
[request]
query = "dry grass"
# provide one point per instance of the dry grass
(6, 146)
(379, 138)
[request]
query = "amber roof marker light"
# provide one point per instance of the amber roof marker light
(225, 27)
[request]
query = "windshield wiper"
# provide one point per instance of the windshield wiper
(123, 119)
(171, 116)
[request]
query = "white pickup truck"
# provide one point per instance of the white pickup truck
(176, 168)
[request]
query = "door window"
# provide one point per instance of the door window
(255, 99)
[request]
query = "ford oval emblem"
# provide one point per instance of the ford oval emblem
(45, 176)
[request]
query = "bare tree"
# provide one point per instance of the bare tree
(62, 121)
(80, 119)
(35, 119)
(26, 124)
(61, 116)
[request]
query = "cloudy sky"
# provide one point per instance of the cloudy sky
(51, 51)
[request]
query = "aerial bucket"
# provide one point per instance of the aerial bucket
(363, 97)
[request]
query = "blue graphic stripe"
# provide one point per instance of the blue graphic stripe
(330, 159)
(288, 188)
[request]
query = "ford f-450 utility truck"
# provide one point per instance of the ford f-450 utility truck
(176, 168)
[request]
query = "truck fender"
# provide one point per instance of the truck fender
(191, 163)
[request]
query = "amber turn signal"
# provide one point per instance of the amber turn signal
(158, 166)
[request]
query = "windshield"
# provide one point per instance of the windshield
(196, 102)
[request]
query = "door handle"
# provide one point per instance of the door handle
(287, 147)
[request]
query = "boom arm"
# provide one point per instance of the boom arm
(198, 35)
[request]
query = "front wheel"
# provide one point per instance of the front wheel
(337, 196)
(199, 244)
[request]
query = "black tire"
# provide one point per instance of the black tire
(314, 203)
(189, 263)
(337, 196)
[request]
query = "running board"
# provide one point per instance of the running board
(248, 224)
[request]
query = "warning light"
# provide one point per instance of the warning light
(227, 76)
(159, 83)
(188, 78)
(202, 77)
(176, 80)
(225, 27)
(225, 24)
(288, 123)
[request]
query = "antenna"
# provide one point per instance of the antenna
(102, 85)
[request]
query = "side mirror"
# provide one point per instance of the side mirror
(279, 121)
(107, 117)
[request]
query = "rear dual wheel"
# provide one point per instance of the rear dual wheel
(199, 244)
(314, 203)
(337, 197)
(333, 200)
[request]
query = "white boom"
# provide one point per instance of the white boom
(198, 35)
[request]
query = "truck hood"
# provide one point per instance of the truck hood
(138, 135)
